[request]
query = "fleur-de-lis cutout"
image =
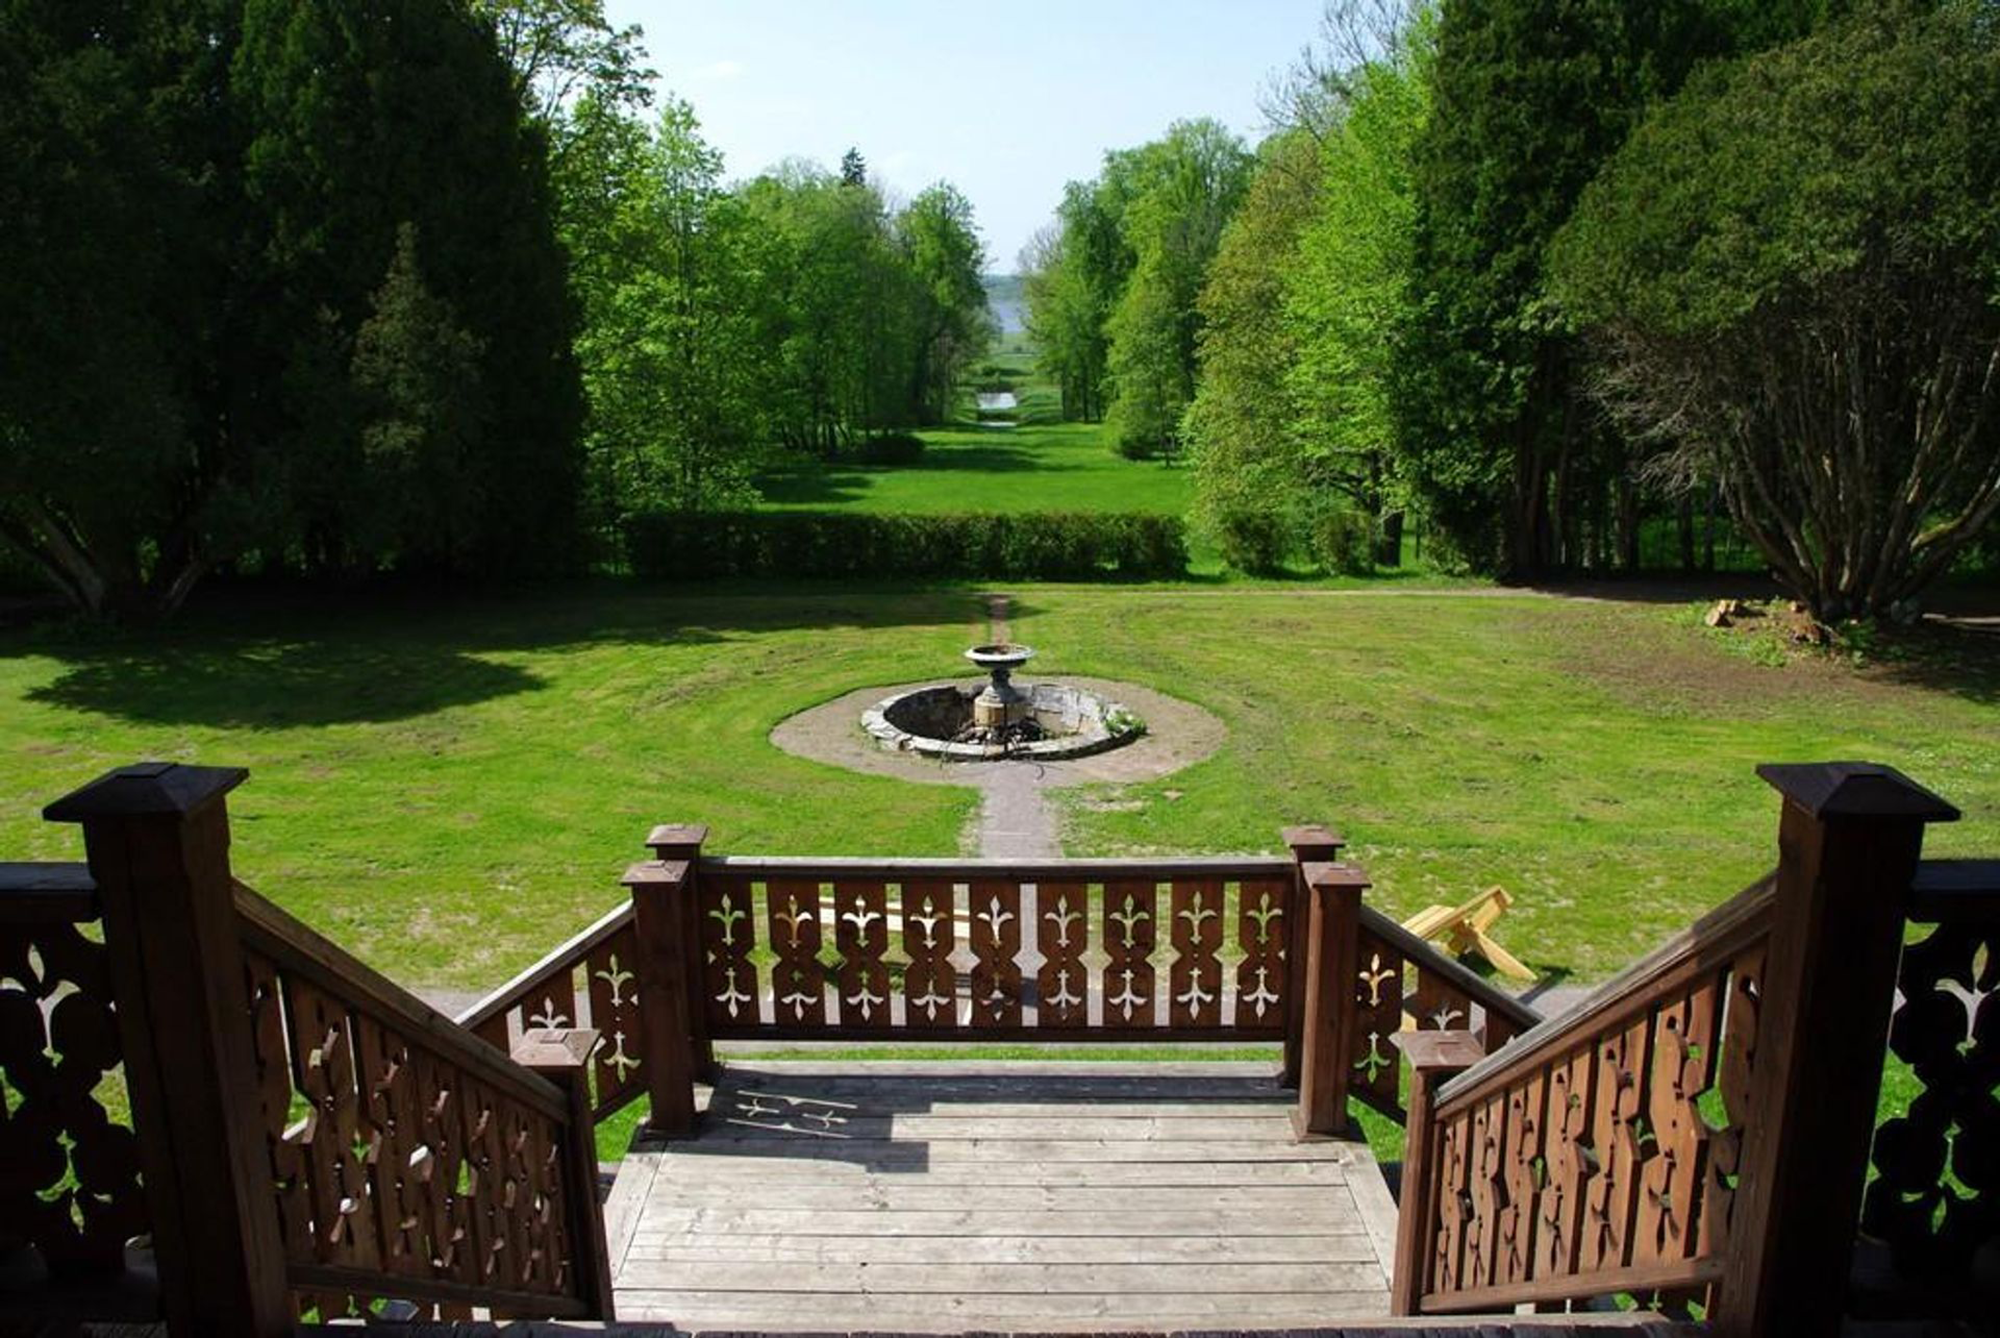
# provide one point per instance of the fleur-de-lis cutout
(1194, 998)
(1063, 917)
(549, 1017)
(1374, 1061)
(868, 1000)
(731, 997)
(930, 1001)
(929, 923)
(1062, 998)
(616, 978)
(1129, 917)
(1127, 998)
(1373, 975)
(1260, 998)
(861, 917)
(1263, 915)
(727, 914)
(799, 917)
(618, 1059)
(1194, 913)
(754, 1108)
(994, 916)
(1444, 1015)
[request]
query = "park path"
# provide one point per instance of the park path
(1016, 820)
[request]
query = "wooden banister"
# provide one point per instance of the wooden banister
(1706, 945)
(294, 946)
(312, 1135)
(1448, 970)
(825, 868)
(1587, 1156)
(556, 965)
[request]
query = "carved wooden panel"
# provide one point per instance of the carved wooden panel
(611, 973)
(1378, 1002)
(386, 1155)
(1194, 984)
(996, 942)
(798, 979)
(1062, 935)
(69, 1177)
(1261, 933)
(728, 938)
(1131, 931)
(861, 934)
(930, 934)
(1597, 1157)
(1936, 1200)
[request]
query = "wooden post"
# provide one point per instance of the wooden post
(682, 841)
(1320, 845)
(1434, 1057)
(157, 837)
(1333, 950)
(659, 911)
(563, 1057)
(1848, 844)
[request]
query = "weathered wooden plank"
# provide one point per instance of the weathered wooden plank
(1221, 1108)
(1009, 1072)
(1003, 1222)
(986, 1151)
(996, 1279)
(834, 1311)
(834, 1121)
(770, 1175)
(1331, 1245)
(916, 1194)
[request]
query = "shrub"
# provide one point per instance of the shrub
(1253, 539)
(1341, 540)
(1044, 546)
(891, 448)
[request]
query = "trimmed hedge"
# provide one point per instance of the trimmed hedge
(1048, 545)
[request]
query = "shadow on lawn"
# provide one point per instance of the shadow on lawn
(258, 659)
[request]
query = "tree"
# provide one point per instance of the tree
(1181, 193)
(1072, 273)
(1792, 273)
(853, 168)
(562, 51)
(1529, 97)
(941, 245)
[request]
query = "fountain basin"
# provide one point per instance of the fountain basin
(1070, 721)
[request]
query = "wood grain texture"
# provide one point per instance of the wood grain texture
(942, 1197)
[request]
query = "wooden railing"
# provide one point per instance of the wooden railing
(1935, 1201)
(313, 1139)
(69, 1171)
(1696, 1131)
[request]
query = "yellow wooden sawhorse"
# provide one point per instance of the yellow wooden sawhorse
(1463, 929)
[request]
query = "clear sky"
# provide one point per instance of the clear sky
(1007, 101)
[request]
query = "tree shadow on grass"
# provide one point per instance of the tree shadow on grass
(1962, 658)
(251, 658)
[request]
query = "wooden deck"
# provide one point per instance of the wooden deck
(951, 1196)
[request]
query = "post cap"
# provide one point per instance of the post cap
(1320, 873)
(1312, 837)
(146, 789)
(555, 1047)
(677, 835)
(1855, 790)
(1433, 1051)
(646, 873)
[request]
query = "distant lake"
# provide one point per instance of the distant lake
(1003, 296)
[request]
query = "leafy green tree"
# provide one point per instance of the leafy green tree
(853, 168)
(1793, 275)
(1529, 97)
(122, 473)
(1072, 273)
(941, 246)
(1181, 193)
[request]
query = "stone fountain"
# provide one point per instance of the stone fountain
(998, 719)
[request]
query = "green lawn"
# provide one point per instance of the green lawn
(450, 789)
(1039, 463)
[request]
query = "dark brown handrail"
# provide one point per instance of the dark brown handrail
(297, 946)
(1710, 941)
(1429, 957)
(553, 965)
(1163, 868)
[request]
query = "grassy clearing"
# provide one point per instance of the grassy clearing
(1038, 464)
(450, 789)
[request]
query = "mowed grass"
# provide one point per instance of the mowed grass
(1039, 464)
(450, 789)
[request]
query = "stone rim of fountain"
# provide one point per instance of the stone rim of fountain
(1066, 720)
